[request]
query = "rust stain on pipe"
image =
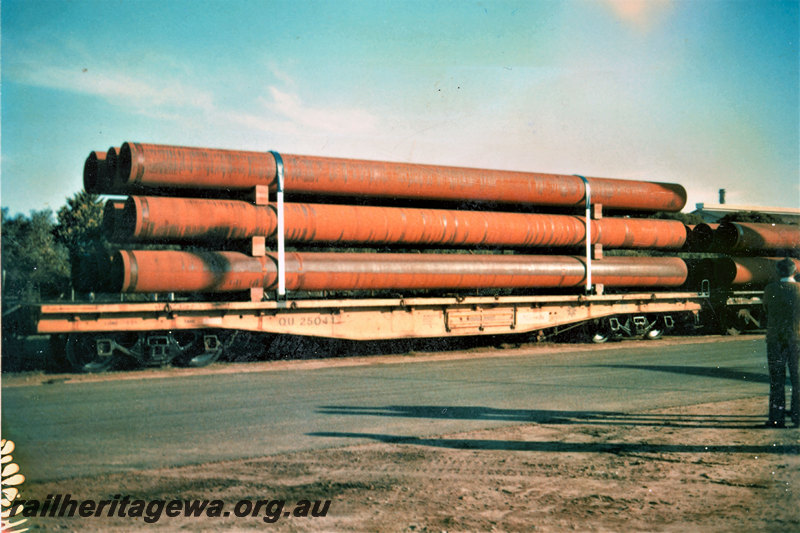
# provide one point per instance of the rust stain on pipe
(175, 271)
(160, 166)
(748, 237)
(178, 271)
(173, 219)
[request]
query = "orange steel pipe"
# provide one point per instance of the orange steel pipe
(95, 172)
(174, 219)
(159, 166)
(89, 272)
(702, 237)
(112, 184)
(178, 271)
(748, 237)
(752, 271)
(113, 227)
(99, 172)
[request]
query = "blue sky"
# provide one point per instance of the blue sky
(704, 92)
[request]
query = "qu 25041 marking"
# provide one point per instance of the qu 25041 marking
(304, 321)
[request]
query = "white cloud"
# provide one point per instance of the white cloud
(281, 75)
(156, 89)
(341, 121)
(125, 88)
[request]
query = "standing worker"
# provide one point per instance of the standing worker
(782, 303)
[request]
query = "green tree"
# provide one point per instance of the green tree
(79, 225)
(35, 265)
(80, 229)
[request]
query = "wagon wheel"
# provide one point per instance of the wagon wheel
(600, 336)
(196, 349)
(655, 329)
(597, 331)
(653, 334)
(81, 352)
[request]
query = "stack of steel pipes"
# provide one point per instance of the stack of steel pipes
(752, 251)
(205, 197)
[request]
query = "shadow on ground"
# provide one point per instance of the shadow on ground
(577, 447)
(544, 416)
(552, 417)
(703, 371)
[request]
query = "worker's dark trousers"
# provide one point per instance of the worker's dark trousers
(782, 354)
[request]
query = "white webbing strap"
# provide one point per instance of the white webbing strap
(281, 229)
(588, 196)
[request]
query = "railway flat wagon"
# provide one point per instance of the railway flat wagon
(370, 250)
(198, 333)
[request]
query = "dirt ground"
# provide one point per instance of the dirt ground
(698, 468)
